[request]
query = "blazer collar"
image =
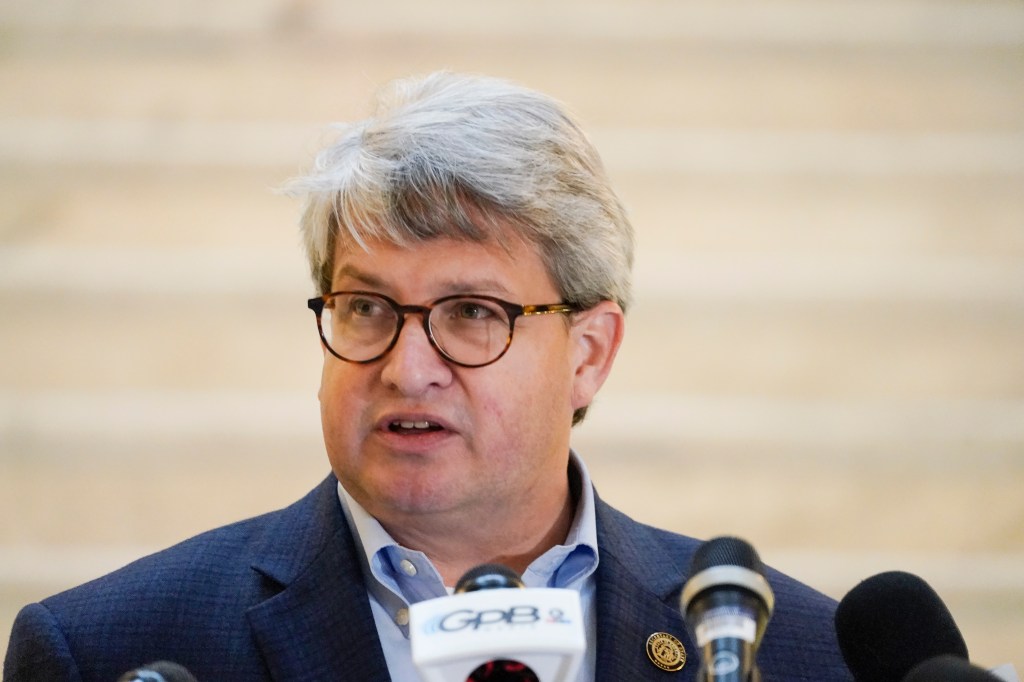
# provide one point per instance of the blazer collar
(317, 624)
(638, 587)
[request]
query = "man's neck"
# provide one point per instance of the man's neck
(456, 548)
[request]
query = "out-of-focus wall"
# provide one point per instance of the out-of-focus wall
(826, 354)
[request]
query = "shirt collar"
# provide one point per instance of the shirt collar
(398, 576)
(569, 564)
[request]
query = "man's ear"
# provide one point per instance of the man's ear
(597, 334)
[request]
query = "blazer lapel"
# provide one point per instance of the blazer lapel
(318, 625)
(637, 596)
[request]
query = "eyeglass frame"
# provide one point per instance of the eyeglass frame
(513, 310)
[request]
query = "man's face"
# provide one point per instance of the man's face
(497, 436)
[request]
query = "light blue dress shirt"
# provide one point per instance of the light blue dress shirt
(397, 577)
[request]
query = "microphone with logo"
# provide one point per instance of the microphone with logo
(158, 671)
(727, 603)
(486, 632)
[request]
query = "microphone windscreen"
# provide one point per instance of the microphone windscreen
(949, 669)
(488, 577)
(890, 623)
(725, 551)
(159, 671)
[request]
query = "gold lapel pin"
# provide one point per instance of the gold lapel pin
(666, 652)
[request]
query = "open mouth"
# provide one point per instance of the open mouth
(414, 427)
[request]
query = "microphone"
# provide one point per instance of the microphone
(488, 577)
(890, 623)
(158, 671)
(727, 604)
(493, 629)
(949, 668)
(493, 577)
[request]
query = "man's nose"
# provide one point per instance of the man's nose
(413, 365)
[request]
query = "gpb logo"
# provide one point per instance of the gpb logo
(474, 620)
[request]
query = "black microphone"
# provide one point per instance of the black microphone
(727, 604)
(488, 577)
(158, 671)
(948, 668)
(890, 623)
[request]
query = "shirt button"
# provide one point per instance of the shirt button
(408, 567)
(402, 617)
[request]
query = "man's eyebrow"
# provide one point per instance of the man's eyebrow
(485, 286)
(351, 272)
(482, 286)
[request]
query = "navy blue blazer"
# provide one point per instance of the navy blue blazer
(281, 597)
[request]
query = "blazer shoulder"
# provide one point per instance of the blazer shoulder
(208, 581)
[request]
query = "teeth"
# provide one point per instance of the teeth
(413, 425)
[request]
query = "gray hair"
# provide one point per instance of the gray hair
(474, 158)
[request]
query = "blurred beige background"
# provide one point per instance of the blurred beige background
(826, 355)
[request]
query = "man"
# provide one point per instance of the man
(473, 267)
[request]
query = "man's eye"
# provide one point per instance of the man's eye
(365, 307)
(473, 310)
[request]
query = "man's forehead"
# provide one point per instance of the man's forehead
(508, 242)
(379, 259)
(449, 266)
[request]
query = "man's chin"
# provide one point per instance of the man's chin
(411, 497)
